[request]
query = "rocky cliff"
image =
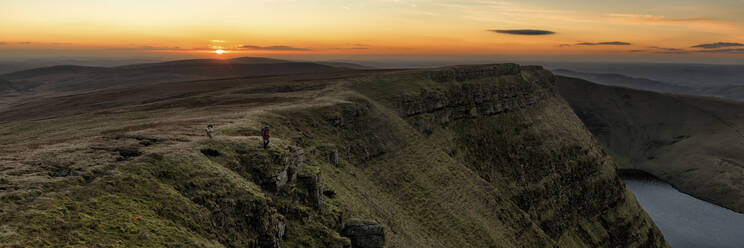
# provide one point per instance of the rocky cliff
(694, 143)
(468, 156)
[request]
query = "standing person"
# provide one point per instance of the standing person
(209, 130)
(265, 135)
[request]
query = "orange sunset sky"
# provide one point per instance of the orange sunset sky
(672, 30)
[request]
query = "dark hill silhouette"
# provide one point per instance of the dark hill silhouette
(6, 86)
(73, 78)
(345, 65)
(241, 60)
(57, 69)
(615, 79)
(735, 92)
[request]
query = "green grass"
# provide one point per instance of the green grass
(532, 177)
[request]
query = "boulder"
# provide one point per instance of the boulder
(294, 162)
(333, 156)
(364, 233)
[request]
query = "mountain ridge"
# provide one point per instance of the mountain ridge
(482, 156)
(65, 78)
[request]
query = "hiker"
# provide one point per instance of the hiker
(265, 135)
(209, 130)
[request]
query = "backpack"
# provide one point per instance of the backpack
(265, 132)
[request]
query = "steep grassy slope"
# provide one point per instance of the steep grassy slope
(694, 143)
(479, 156)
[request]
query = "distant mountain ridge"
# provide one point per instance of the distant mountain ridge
(735, 92)
(689, 75)
(64, 78)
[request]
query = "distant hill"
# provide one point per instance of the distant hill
(72, 78)
(8, 65)
(6, 86)
(626, 81)
(13, 87)
(345, 65)
(694, 143)
(729, 91)
(725, 91)
(689, 75)
(191, 62)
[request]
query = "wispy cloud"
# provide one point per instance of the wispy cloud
(666, 49)
(148, 48)
(273, 48)
(522, 31)
(351, 48)
(729, 51)
(718, 45)
(17, 43)
(659, 19)
(607, 43)
(699, 23)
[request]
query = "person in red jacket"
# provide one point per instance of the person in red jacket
(265, 135)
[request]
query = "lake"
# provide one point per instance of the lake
(684, 220)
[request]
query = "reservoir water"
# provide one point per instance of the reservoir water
(684, 220)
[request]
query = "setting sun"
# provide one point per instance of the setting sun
(219, 51)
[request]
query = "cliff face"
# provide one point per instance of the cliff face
(692, 142)
(507, 149)
(470, 156)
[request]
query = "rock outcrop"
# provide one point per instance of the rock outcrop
(364, 233)
(464, 73)
(441, 105)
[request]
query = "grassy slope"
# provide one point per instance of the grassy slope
(695, 143)
(76, 181)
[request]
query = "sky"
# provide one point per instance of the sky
(679, 30)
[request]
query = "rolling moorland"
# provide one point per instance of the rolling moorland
(480, 156)
(730, 91)
(694, 143)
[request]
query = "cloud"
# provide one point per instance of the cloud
(522, 31)
(3, 43)
(354, 48)
(24, 42)
(565, 45)
(663, 50)
(274, 48)
(718, 45)
(666, 49)
(659, 19)
(674, 52)
(147, 48)
(729, 51)
(607, 43)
